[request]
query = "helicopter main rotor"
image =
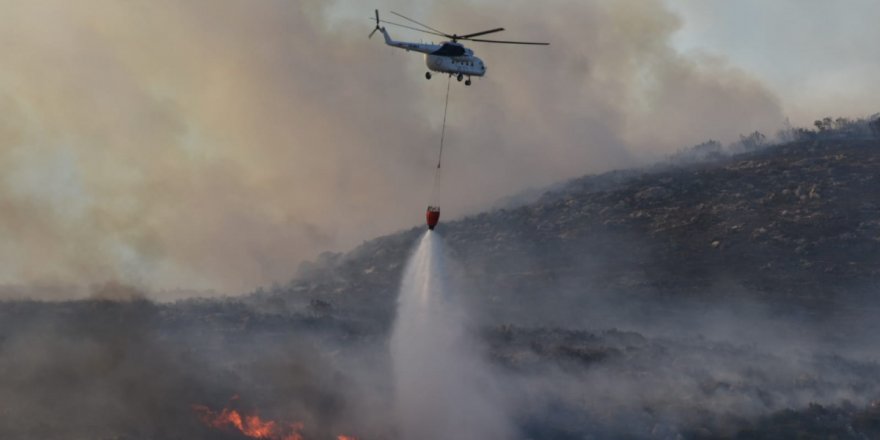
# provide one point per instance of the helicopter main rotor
(454, 37)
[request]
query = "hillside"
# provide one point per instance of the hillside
(795, 224)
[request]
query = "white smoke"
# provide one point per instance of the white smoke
(443, 389)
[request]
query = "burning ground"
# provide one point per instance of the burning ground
(134, 369)
(725, 298)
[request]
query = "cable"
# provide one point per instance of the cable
(436, 183)
(443, 130)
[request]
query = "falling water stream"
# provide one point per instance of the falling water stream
(443, 388)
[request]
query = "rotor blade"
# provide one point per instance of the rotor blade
(374, 31)
(422, 24)
(475, 34)
(412, 28)
(505, 42)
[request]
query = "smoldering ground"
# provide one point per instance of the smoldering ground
(662, 368)
(585, 365)
(135, 369)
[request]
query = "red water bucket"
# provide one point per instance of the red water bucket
(432, 216)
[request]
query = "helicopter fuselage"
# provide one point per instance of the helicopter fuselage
(449, 57)
(467, 65)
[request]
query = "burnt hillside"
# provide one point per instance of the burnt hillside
(790, 224)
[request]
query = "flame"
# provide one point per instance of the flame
(251, 425)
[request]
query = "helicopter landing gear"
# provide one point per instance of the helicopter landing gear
(467, 82)
(459, 77)
(427, 75)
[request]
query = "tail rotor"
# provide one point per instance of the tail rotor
(377, 25)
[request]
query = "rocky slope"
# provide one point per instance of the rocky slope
(796, 224)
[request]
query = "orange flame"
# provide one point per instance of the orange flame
(250, 425)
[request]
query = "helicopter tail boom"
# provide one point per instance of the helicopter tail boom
(415, 47)
(388, 40)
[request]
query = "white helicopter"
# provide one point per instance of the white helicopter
(450, 57)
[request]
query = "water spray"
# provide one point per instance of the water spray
(443, 388)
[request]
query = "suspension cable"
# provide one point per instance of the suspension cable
(443, 129)
(436, 183)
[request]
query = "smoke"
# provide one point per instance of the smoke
(216, 144)
(443, 390)
(611, 362)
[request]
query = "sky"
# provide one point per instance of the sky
(817, 56)
(208, 147)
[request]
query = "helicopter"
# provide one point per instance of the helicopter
(450, 57)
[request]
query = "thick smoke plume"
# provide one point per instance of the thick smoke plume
(216, 144)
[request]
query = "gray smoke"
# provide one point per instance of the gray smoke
(216, 144)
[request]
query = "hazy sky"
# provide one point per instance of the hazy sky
(817, 56)
(216, 144)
